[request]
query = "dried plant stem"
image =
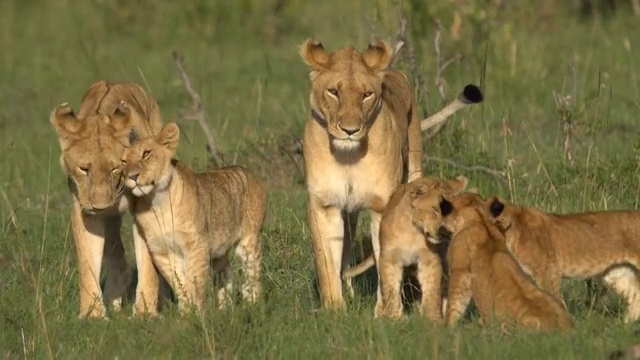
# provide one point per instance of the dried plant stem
(196, 112)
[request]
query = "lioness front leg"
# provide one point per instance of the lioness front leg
(327, 237)
(430, 278)
(88, 236)
(119, 273)
(459, 296)
(390, 303)
(147, 290)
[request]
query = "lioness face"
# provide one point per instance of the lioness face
(147, 163)
(347, 89)
(91, 149)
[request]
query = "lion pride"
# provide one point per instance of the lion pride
(482, 268)
(583, 245)
(92, 141)
(362, 138)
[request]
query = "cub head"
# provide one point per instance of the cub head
(501, 212)
(91, 149)
(460, 211)
(146, 165)
(346, 91)
(426, 195)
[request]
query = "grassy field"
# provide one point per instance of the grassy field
(243, 58)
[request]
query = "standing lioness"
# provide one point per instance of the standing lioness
(361, 140)
(190, 220)
(92, 142)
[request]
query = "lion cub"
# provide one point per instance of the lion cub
(190, 221)
(583, 245)
(481, 267)
(406, 240)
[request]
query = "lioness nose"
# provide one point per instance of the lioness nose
(349, 131)
(133, 177)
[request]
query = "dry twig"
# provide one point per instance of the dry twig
(196, 113)
(499, 175)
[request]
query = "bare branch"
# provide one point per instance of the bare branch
(197, 113)
(499, 175)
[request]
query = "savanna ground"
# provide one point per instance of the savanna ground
(242, 57)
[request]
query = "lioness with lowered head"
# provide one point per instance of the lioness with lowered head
(481, 267)
(191, 220)
(361, 140)
(92, 142)
(408, 234)
(583, 245)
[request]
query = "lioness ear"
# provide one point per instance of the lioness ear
(122, 118)
(378, 55)
(314, 54)
(497, 207)
(65, 121)
(169, 136)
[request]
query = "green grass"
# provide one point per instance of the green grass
(243, 59)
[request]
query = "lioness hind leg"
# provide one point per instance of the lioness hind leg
(249, 250)
(119, 274)
(389, 304)
(624, 280)
(430, 278)
(223, 281)
(350, 225)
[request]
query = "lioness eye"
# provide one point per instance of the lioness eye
(83, 169)
(123, 162)
(333, 92)
(367, 95)
(146, 154)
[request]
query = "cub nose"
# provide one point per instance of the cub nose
(347, 130)
(133, 177)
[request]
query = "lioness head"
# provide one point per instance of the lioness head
(91, 149)
(146, 165)
(427, 194)
(346, 91)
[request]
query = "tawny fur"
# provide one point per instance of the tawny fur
(361, 140)
(407, 239)
(92, 142)
(481, 268)
(191, 221)
(583, 245)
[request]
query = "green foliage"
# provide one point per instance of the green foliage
(242, 58)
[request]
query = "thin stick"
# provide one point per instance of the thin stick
(497, 174)
(197, 113)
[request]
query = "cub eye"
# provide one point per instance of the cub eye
(333, 92)
(146, 154)
(367, 95)
(123, 162)
(115, 170)
(84, 170)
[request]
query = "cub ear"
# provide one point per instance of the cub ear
(169, 136)
(314, 54)
(497, 207)
(458, 184)
(65, 121)
(122, 118)
(446, 207)
(378, 55)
